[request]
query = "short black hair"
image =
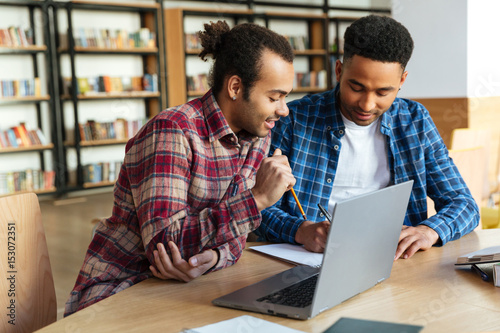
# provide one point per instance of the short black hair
(379, 38)
(238, 51)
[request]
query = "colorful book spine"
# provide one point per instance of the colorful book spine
(20, 136)
(16, 37)
(114, 39)
(108, 85)
(20, 88)
(26, 181)
(101, 172)
(119, 129)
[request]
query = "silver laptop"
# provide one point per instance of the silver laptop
(359, 253)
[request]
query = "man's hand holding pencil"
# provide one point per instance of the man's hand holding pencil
(273, 179)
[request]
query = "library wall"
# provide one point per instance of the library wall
(83, 78)
(76, 154)
(94, 66)
(306, 25)
(19, 68)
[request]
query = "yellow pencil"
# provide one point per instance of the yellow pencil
(298, 203)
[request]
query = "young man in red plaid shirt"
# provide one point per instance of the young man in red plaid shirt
(196, 177)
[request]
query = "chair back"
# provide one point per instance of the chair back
(467, 162)
(27, 294)
(466, 138)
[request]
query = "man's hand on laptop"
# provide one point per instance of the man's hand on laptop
(313, 235)
(413, 239)
(178, 268)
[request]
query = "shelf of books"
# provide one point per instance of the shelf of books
(21, 138)
(22, 49)
(128, 52)
(119, 41)
(17, 37)
(37, 181)
(309, 43)
(103, 142)
(310, 82)
(27, 89)
(26, 100)
(315, 40)
(94, 133)
(23, 99)
(135, 50)
(26, 148)
(185, 80)
(309, 46)
(101, 174)
(107, 87)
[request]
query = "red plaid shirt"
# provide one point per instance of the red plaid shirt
(187, 178)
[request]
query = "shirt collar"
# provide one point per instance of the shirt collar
(335, 118)
(217, 125)
(387, 118)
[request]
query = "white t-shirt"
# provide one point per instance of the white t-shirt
(362, 165)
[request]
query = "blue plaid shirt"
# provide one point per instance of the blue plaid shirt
(310, 137)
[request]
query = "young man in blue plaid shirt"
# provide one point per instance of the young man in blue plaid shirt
(358, 138)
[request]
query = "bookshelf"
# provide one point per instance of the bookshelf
(28, 134)
(56, 55)
(337, 27)
(310, 47)
(180, 55)
(95, 65)
(320, 24)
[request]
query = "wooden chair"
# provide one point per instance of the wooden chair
(466, 138)
(27, 294)
(467, 162)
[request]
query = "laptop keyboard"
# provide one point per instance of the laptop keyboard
(298, 295)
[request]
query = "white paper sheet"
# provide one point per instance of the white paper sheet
(486, 251)
(244, 324)
(296, 254)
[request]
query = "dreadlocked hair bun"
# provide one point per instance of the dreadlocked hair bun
(212, 38)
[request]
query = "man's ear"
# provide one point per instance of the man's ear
(338, 69)
(403, 78)
(234, 87)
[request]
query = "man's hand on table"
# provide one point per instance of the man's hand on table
(178, 268)
(413, 239)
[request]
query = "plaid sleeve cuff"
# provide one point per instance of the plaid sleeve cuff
(440, 227)
(222, 251)
(229, 253)
(244, 212)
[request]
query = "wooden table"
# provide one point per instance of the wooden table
(425, 290)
